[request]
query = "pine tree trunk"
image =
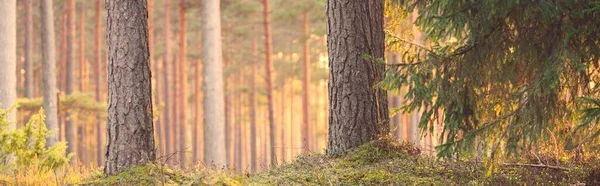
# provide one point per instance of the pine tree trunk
(305, 85)
(130, 133)
(269, 79)
(48, 71)
(175, 109)
(168, 92)
(238, 124)
(28, 49)
(198, 134)
(97, 64)
(82, 65)
(8, 56)
(183, 86)
(358, 113)
(212, 70)
(62, 76)
(81, 153)
(70, 70)
(253, 108)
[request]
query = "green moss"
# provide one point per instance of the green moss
(375, 163)
(141, 175)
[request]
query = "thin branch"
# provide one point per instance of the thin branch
(538, 166)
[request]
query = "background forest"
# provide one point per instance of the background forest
(314, 92)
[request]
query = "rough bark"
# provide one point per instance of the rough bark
(358, 112)
(214, 121)
(98, 88)
(28, 50)
(130, 133)
(8, 56)
(48, 71)
(305, 85)
(269, 78)
(69, 71)
(183, 85)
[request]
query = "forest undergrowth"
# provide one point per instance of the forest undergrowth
(380, 162)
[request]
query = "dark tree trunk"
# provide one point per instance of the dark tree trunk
(130, 130)
(358, 112)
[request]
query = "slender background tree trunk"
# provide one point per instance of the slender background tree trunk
(305, 85)
(48, 71)
(70, 70)
(97, 75)
(183, 86)
(269, 78)
(28, 49)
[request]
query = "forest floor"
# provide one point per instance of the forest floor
(375, 163)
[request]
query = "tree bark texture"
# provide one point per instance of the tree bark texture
(130, 129)
(358, 112)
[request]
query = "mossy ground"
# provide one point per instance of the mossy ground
(375, 163)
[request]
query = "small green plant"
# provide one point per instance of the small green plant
(25, 147)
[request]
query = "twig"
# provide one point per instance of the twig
(537, 165)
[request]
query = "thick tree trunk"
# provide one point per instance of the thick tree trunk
(253, 108)
(358, 112)
(28, 49)
(8, 56)
(130, 133)
(269, 79)
(98, 90)
(214, 121)
(48, 71)
(183, 86)
(305, 85)
(70, 70)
